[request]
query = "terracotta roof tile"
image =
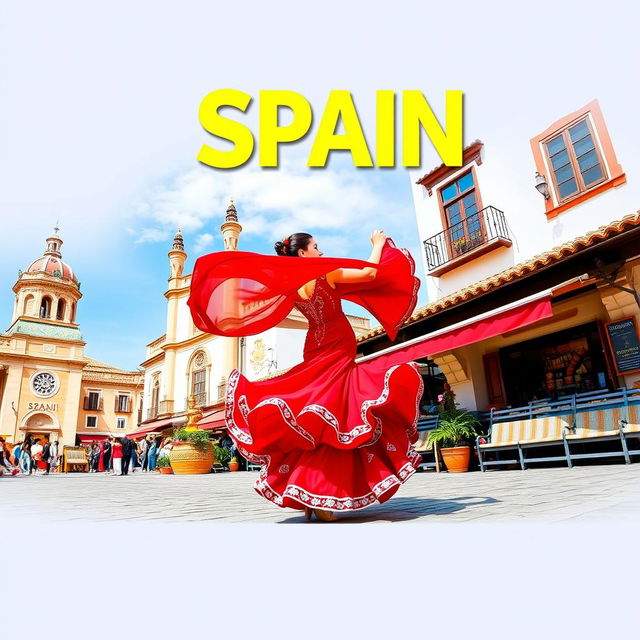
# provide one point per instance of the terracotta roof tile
(519, 270)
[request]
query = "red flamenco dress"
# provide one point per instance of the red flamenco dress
(329, 433)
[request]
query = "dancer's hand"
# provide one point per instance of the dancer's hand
(378, 238)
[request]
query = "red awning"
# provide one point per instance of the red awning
(475, 331)
(93, 438)
(157, 425)
(215, 420)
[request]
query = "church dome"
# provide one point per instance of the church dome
(53, 266)
(51, 261)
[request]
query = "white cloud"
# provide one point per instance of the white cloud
(151, 235)
(276, 202)
(203, 241)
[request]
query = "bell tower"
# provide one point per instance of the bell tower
(231, 229)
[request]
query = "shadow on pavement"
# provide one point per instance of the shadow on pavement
(400, 509)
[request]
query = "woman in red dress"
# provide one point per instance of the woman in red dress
(331, 435)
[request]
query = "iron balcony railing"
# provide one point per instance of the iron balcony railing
(474, 231)
(201, 398)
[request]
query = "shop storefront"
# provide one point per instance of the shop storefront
(557, 364)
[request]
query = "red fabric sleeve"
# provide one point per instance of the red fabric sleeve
(237, 293)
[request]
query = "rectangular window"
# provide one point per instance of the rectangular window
(575, 160)
(123, 403)
(92, 401)
(92, 422)
(122, 423)
(199, 386)
(460, 203)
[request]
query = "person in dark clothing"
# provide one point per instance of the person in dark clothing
(107, 455)
(46, 455)
(127, 446)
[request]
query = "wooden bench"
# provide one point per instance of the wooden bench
(74, 457)
(610, 424)
(520, 435)
(596, 416)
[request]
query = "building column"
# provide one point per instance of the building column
(71, 410)
(10, 401)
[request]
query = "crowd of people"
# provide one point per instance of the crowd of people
(117, 456)
(31, 456)
(121, 456)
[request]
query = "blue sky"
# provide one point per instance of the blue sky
(99, 127)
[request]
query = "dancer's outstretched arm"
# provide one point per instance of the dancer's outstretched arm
(378, 238)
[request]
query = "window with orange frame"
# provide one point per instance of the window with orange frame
(577, 158)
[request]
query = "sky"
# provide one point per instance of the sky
(99, 125)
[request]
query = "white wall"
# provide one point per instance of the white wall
(506, 181)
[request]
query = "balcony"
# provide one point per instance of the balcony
(152, 412)
(202, 399)
(166, 407)
(472, 237)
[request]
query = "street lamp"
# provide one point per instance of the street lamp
(542, 186)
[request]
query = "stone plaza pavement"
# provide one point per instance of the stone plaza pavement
(609, 493)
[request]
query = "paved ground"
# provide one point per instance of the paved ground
(608, 493)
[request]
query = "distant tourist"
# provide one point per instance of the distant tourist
(116, 456)
(152, 454)
(5, 465)
(127, 446)
(39, 466)
(94, 460)
(25, 457)
(54, 456)
(106, 449)
(46, 456)
(144, 450)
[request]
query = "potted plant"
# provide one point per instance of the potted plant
(222, 455)
(233, 465)
(192, 451)
(453, 433)
(164, 464)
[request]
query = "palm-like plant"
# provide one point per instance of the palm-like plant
(454, 429)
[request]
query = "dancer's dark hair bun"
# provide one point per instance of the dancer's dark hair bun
(290, 245)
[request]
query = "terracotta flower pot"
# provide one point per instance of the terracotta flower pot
(456, 458)
(166, 470)
(234, 466)
(185, 458)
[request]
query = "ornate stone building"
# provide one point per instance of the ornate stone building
(48, 386)
(186, 361)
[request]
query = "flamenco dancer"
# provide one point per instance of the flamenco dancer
(331, 435)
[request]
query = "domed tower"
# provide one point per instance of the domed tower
(48, 291)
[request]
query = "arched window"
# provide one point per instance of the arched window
(73, 313)
(45, 307)
(198, 369)
(60, 312)
(29, 303)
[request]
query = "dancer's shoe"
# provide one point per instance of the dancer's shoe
(325, 516)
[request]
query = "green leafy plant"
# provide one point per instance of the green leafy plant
(199, 438)
(223, 455)
(455, 428)
(163, 461)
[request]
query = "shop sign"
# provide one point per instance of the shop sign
(42, 406)
(625, 345)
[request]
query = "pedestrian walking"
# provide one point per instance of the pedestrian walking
(107, 455)
(144, 450)
(54, 457)
(153, 452)
(116, 456)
